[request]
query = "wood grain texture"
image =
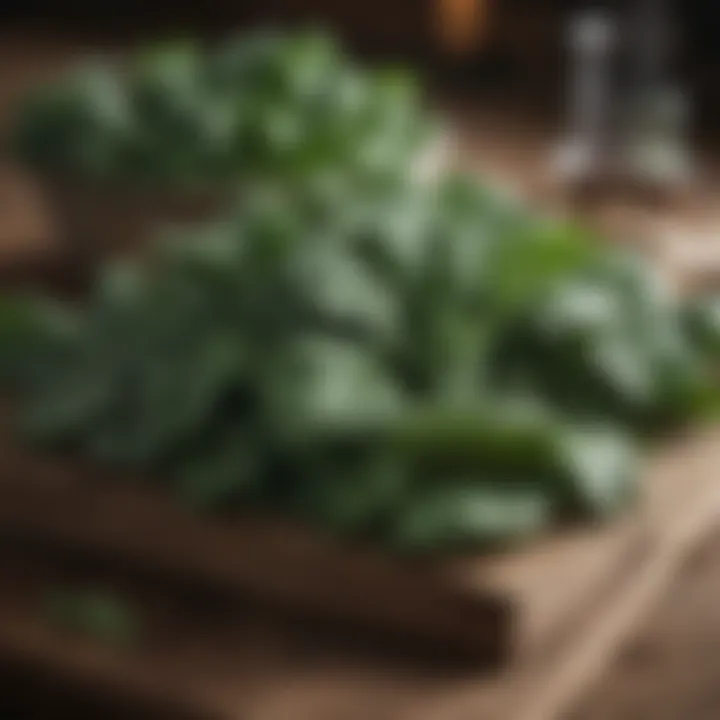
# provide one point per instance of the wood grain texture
(252, 666)
(489, 607)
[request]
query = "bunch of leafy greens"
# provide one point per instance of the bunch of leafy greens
(262, 105)
(426, 367)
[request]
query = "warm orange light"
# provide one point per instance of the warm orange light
(461, 23)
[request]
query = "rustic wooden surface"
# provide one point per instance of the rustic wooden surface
(494, 608)
(669, 669)
(246, 662)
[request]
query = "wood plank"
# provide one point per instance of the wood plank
(670, 667)
(556, 583)
(682, 511)
(29, 251)
(62, 506)
(492, 609)
(275, 675)
(158, 674)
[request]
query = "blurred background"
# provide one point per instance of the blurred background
(505, 68)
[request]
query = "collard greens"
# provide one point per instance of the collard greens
(428, 366)
(265, 105)
(420, 367)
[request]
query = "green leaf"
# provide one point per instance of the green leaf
(227, 471)
(702, 320)
(345, 390)
(461, 516)
(95, 614)
(600, 467)
(340, 289)
(356, 495)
